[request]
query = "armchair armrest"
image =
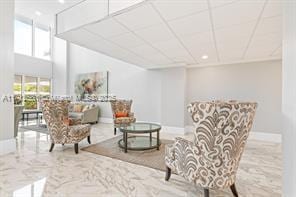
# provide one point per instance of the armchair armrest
(183, 158)
(131, 114)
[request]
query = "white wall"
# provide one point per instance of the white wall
(59, 67)
(7, 142)
(32, 66)
(289, 99)
(125, 81)
(158, 95)
(173, 86)
(260, 82)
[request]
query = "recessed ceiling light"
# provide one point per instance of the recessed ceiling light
(62, 1)
(204, 57)
(38, 13)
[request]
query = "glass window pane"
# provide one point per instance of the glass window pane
(22, 37)
(42, 43)
(30, 100)
(44, 86)
(17, 88)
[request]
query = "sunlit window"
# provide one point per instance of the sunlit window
(17, 88)
(44, 88)
(30, 99)
(28, 91)
(42, 43)
(23, 37)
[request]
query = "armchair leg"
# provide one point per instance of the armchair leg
(51, 147)
(233, 189)
(88, 139)
(168, 173)
(206, 192)
(76, 148)
(114, 130)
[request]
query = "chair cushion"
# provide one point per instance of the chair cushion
(124, 120)
(79, 131)
(121, 114)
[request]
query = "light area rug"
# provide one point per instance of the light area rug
(149, 158)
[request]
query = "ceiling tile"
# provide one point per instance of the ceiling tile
(234, 37)
(127, 40)
(201, 44)
(277, 52)
(150, 53)
(155, 33)
(273, 8)
(235, 54)
(197, 39)
(175, 8)
(269, 25)
(191, 24)
(175, 51)
(117, 5)
(237, 13)
(218, 3)
(107, 28)
(141, 17)
(263, 46)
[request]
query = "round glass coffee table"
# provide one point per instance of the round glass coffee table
(138, 140)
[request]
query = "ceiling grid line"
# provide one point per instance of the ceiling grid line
(213, 30)
(254, 30)
(148, 43)
(173, 32)
(275, 50)
(118, 45)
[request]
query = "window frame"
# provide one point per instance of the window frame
(46, 28)
(28, 22)
(38, 95)
(35, 24)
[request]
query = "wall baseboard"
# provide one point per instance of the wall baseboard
(7, 146)
(254, 135)
(105, 120)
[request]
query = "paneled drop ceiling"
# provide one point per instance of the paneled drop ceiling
(169, 33)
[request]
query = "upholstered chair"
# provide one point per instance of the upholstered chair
(18, 109)
(122, 115)
(55, 113)
(211, 160)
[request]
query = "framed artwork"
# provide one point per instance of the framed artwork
(91, 84)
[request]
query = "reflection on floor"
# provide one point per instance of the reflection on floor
(33, 171)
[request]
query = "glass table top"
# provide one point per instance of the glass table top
(141, 127)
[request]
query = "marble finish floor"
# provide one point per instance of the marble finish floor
(33, 171)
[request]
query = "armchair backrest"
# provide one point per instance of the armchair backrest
(221, 132)
(121, 106)
(54, 113)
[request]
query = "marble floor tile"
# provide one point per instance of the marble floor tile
(32, 171)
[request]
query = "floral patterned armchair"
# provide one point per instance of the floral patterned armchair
(122, 114)
(212, 159)
(61, 131)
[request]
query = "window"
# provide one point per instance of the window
(23, 37)
(44, 88)
(28, 90)
(30, 85)
(17, 88)
(42, 43)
